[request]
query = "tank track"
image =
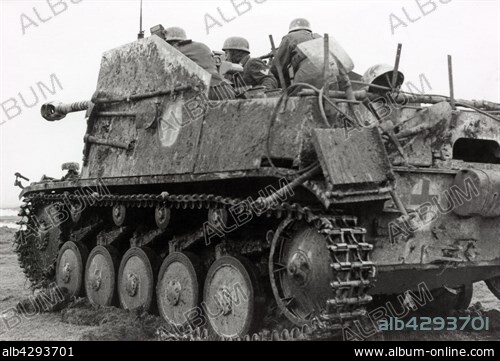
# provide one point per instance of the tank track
(304, 333)
(349, 252)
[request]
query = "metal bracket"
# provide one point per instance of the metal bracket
(110, 143)
(154, 124)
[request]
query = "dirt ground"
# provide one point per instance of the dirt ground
(80, 321)
(13, 288)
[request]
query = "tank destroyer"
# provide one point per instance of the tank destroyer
(292, 206)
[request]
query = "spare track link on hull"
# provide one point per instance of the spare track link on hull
(353, 271)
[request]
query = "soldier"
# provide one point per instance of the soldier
(255, 71)
(289, 55)
(201, 55)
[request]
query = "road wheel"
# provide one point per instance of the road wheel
(100, 275)
(137, 279)
(179, 287)
(232, 297)
(494, 286)
(70, 268)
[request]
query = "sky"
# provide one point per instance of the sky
(59, 50)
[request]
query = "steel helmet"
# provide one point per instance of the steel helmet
(381, 74)
(236, 43)
(299, 24)
(175, 33)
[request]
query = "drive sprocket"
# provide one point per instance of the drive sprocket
(37, 244)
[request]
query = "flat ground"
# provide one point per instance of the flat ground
(14, 288)
(82, 322)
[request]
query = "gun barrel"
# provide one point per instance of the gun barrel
(56, 111)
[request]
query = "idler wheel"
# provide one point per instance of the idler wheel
(137, 279)
(100, 275)
(232, 297)
(299, 268)
(70, 267)
(179, 288)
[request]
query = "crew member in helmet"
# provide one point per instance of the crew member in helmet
(289, 55)
(203, 56)
(255, 71)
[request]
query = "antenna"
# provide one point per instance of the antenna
(141, 32)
